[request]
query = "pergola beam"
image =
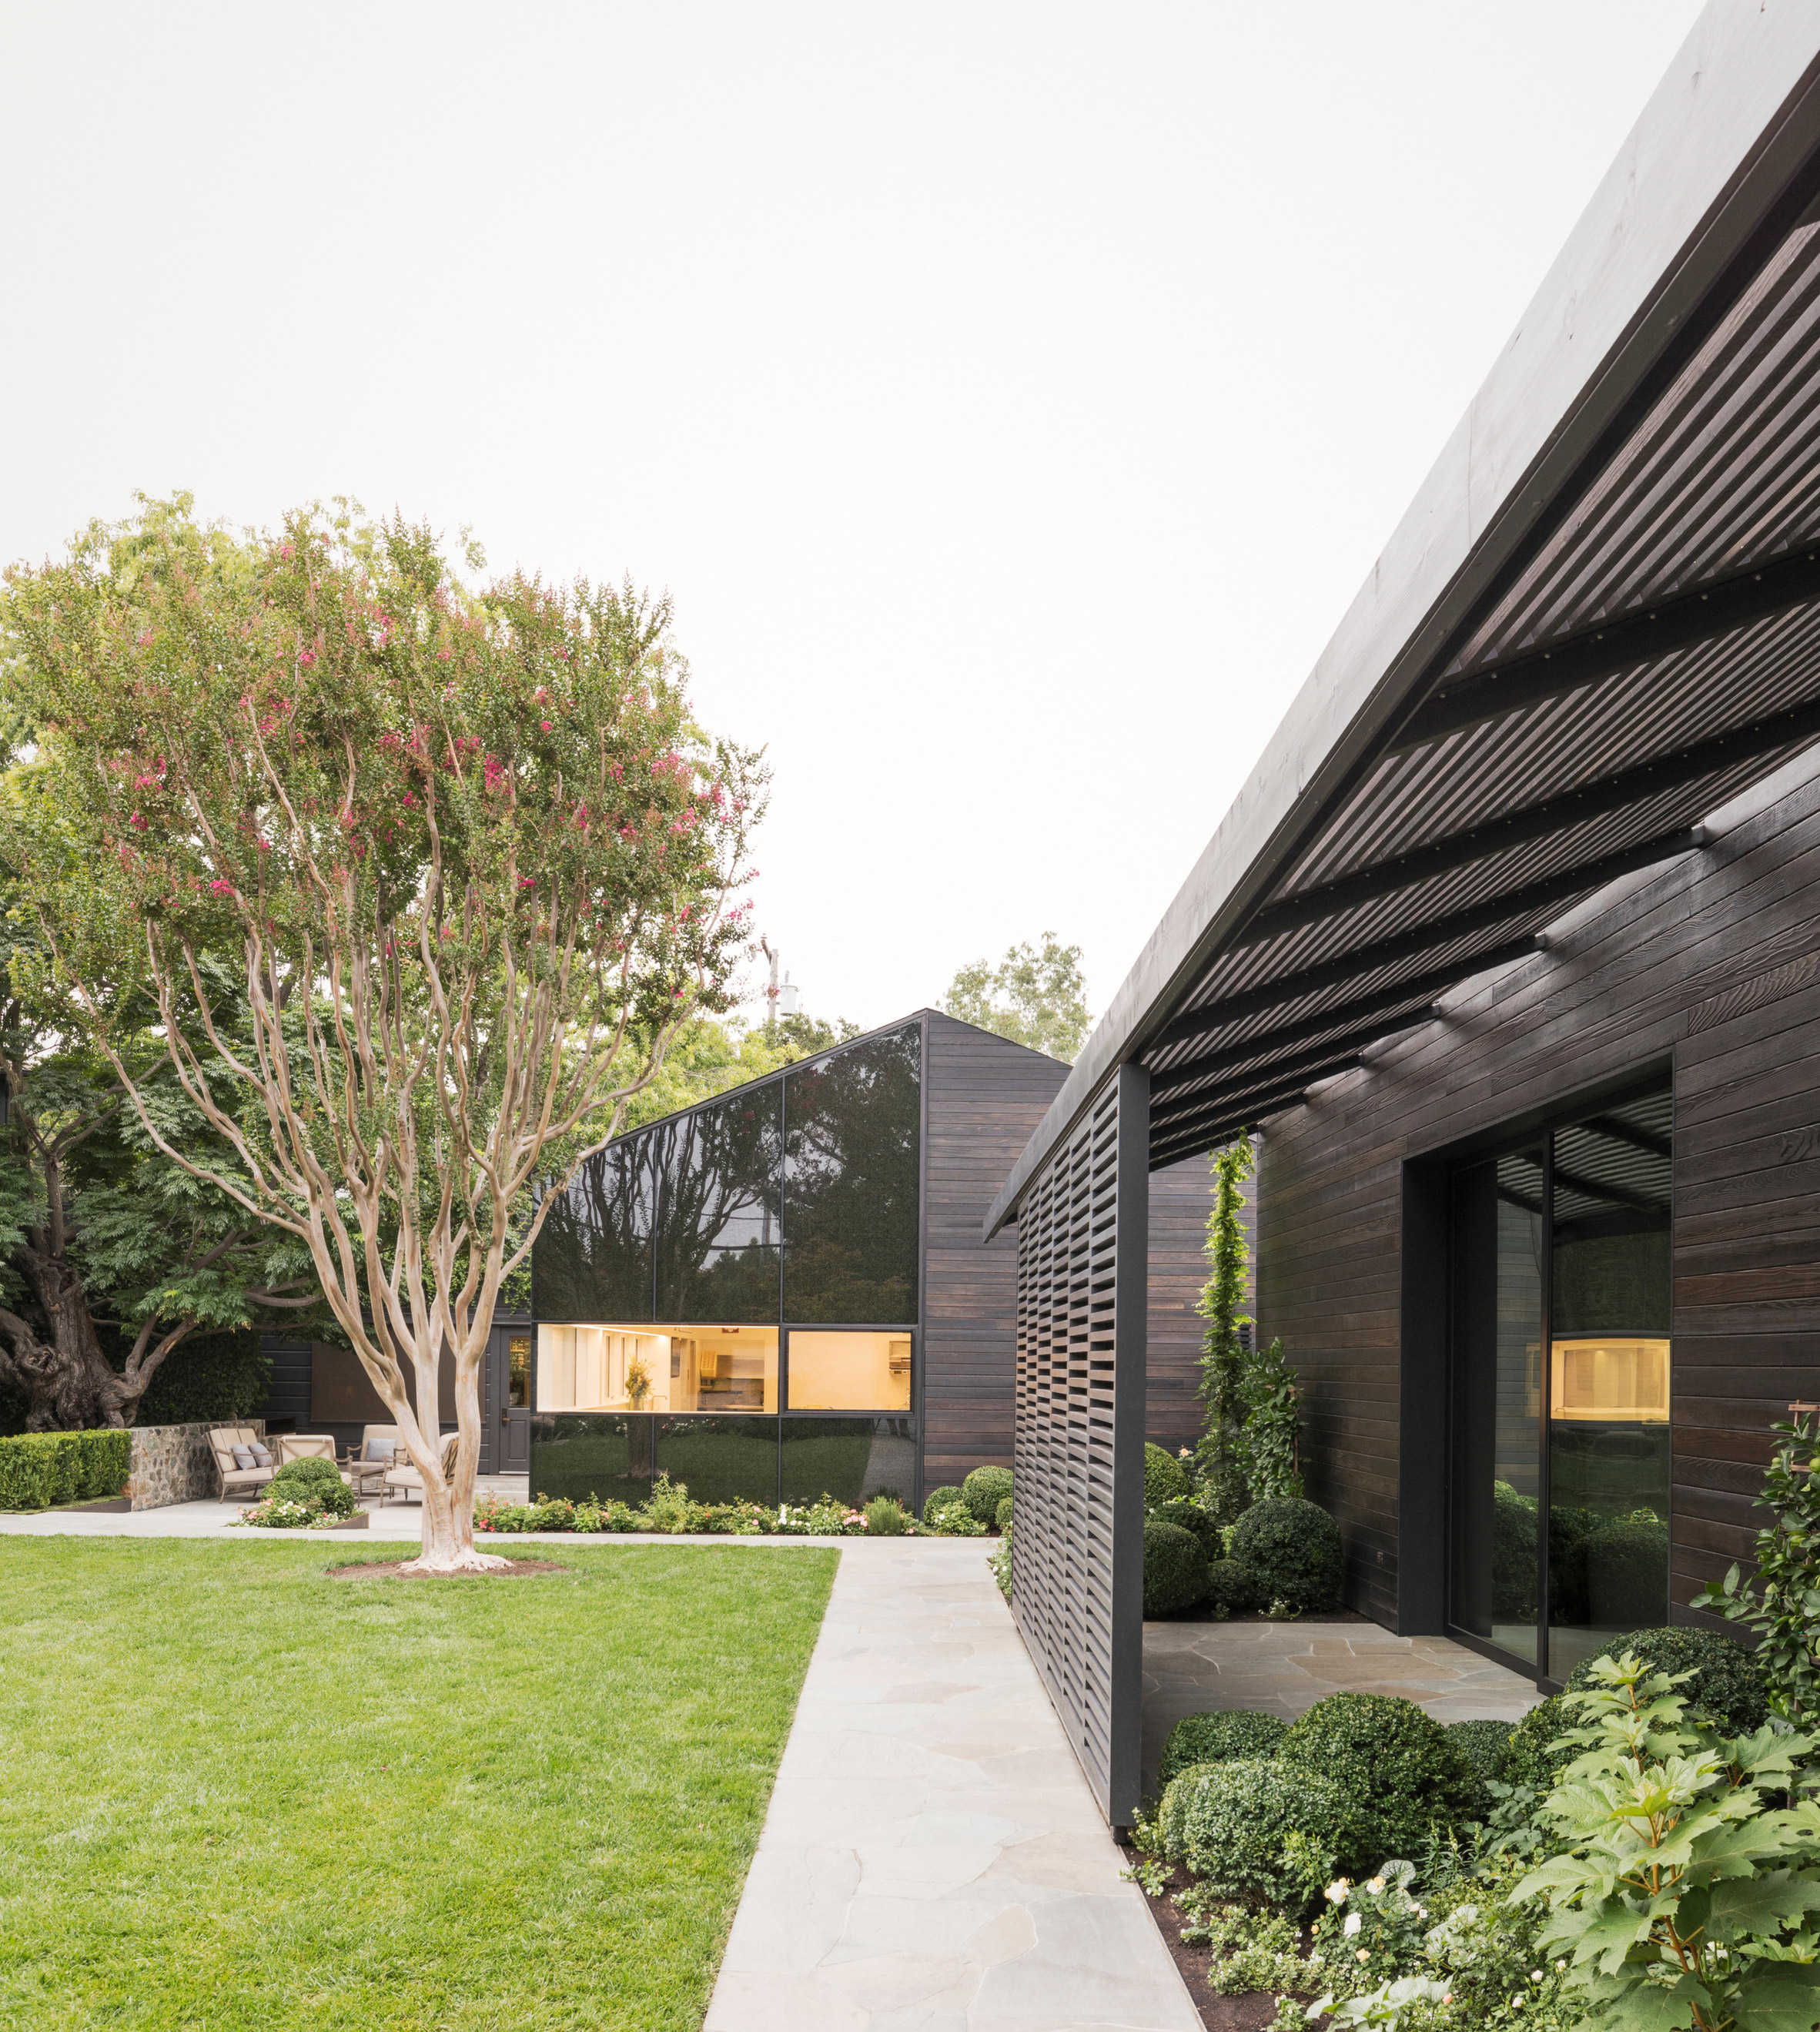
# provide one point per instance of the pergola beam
(1638, 638)
(1560, 888)
(1350, 1038)
(1598, 799)
(1240, 1111)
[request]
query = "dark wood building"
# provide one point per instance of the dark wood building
(1508, 950)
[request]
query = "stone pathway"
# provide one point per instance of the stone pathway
(1285, 1667)
(210, 1519)
(933, 1860)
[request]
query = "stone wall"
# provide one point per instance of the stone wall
(174, 1464)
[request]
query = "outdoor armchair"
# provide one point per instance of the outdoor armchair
(241, 1476)
(404, 1478)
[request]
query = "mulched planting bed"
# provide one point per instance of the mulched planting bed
(1218, 2014)
(391, 1569)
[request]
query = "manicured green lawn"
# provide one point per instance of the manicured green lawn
(236, 1793)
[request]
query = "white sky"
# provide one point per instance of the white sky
(1011, 396)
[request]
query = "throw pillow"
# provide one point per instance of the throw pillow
(380, 1450)
(243, 1456)
(261, 1457)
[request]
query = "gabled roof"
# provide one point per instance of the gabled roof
(1599, 619)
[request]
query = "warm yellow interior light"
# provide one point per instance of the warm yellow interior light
(1611, 1379)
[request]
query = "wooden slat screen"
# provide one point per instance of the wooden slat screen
(1078, 1544)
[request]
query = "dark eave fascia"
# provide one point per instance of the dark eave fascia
(1792, 728)
(1614, 646)
(1705, 184)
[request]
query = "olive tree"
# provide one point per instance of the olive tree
(467, 858)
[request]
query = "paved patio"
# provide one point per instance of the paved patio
(210, 1519)
(1283, 1669)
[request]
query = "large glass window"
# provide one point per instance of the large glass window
(849, 1372)
(597, 1457)
(718, 1223)
(853, 1124)
(1563, 1244)
(593, 1256)
(721, 1460)
(852, 1459)
(630, 1367)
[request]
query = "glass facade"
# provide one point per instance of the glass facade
(1561, 1465)
(754, 1258)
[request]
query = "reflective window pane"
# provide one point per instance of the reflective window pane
(593, 1259)
(721, 1460)
(851, 1459)
(629, 1366)
(1498, 1269)
(1609, 1466)
(589, 1457)
(849, 1372)
(719, 1220)
(850, 1204)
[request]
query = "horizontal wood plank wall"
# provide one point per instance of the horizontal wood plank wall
(1712, 966)
(1180, 1200)
(985, 1097)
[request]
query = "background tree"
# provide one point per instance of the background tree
(707, 1056)
(1218, 1469)
(1034, 997)
(462, 856)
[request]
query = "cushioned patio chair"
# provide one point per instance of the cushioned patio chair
(238, 1472)
(404, 1478)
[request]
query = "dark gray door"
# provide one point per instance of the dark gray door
(514, 1366)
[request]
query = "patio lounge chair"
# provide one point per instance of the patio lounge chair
(404, 1478)
(244, 1478)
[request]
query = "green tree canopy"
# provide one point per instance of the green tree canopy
(1034, 996)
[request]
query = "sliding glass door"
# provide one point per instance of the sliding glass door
(1561, 1469)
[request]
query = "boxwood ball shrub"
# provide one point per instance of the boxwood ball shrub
(1292, 1549)
(1174, 1568)
(1529, 1760)
(1727, 1685)
(1002, 1517)
(1217, 1738)
(1191, 1517)
(1399, 1772)
(1233, 1589)
(1483, 1745)
(984, 1490)
(314, 1480)
(1165, 1479)
(1628, 1571)
(939, 1498)
(1256, 1824)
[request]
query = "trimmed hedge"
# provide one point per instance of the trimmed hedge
(1233, 1589)
(38, 1469)
(1217, 1738)
(1174, 1568)
(1397, 1767)
(1191, 1517)
(984, 1490)
(1002, 1515)
(939, 1498)
(1483, 1746)
(1165, 1479)
(1254, 1825)
(1291, 1547)
(1727, 1684)
(1529, 1760)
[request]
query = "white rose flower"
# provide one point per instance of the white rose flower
(1336, 1892)
(1353, 1923)
(1376, 1887)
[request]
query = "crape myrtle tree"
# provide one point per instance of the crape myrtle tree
(467, 855)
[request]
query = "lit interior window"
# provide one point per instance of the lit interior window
(1612, 1379)
(849, 1372)
(667, 1368)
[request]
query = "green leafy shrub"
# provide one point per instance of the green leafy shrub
(1217, 1738)
(999, 1560)
(313, 1480)
(1400, 1775)
(1248, 1951)
(1256, 1824)
(279, 1513)
(1232, 1589)
(1626, 1562)
(223, 1376)
(884, 1518)
(1529, 1760)
(38, 1469)
(1696, 1906)
(1174, 1568)
(1001, 1516)
(1483, 1746)
(954, 1520)
(984, 1490)
(1165, 1479)
(1727, 1689)
(939, 1498)
(1291, 1549)
(1191, 1517)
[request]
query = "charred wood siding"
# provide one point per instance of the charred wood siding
(986, 1097)
(1711, 967)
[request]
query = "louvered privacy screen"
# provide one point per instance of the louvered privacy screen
(1078, 1548)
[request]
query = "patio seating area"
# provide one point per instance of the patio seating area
(378, 1469)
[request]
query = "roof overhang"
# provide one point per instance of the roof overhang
(1597, 621)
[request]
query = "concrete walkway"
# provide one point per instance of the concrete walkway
(933, 1860)
(211, 1519)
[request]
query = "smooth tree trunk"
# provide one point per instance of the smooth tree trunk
(449, 1546)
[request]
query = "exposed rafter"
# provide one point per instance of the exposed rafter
(1439, 932)
(1241, 1110)
(1616, 1130)
(1351, 1037)
(1615, 645)
(1797, 725)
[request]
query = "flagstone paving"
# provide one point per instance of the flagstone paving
(933, 1860)
(1283, 1669)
